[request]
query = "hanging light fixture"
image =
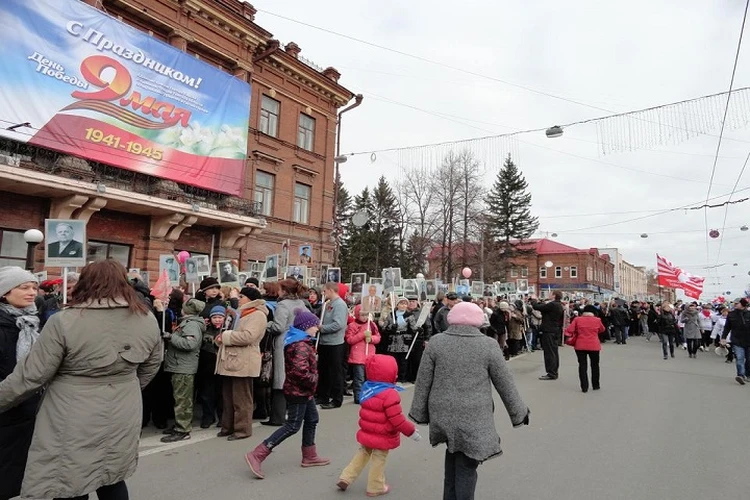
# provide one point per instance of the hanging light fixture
(644, 235)
(554, 132)
(743, 228)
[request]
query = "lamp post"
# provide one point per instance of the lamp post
(32, 237)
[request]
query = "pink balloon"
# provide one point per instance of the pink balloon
(183, 256)
(466, 272)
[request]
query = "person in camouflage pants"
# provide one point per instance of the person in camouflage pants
(181, 361)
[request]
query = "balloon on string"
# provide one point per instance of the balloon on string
(466, 272)
(713, 233)
(183, 256)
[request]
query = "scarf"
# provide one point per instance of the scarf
(295, 335)
(28, 327)
(370, 389)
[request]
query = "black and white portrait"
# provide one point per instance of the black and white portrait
(66, 243)
(422, 285)
(227, 272)
(489, 290)
(391, 279)
(334, 274)
(191, 271)
(271, 269)
(358, 282)
(202, 265)
(323, 273)
(168, 262)
(431, 289)
(522, 286)
(410, 288)
(477, 288)
(296, 272)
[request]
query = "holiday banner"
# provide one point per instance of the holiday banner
(673, 277)
(78, 81)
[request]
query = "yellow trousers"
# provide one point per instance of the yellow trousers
(376, 477)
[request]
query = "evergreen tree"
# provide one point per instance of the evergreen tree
(342, 216)
(509, 220)
(385, 226)
(357, 255)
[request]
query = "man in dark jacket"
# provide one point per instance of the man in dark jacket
(441, 317)
(553, 316)
(738, 323)
(620, 320)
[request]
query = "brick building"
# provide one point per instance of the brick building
(572, 270)
(288, 189)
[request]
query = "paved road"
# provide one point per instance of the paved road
(650, 433)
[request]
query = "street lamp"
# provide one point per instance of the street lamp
(554, 132)
(32, 237)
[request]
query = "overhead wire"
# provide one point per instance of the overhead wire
(723, 125)
(726, 207)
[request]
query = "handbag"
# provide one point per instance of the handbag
(266, 360)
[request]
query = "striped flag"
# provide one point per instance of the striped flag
(162, 288)
(674, 277)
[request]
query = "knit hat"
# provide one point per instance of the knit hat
(253, 281)
(13, 276)
(209, 282)
(251, 293)
(503, 306)
(304, 319)
(401, 299)
(193, 307)
(218, 311)
(466, 313)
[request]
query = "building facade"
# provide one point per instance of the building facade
(288, 189)
(631, 281)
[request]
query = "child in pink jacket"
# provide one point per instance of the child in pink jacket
(362, 335)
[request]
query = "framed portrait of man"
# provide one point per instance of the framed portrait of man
(305, 255)
(65, 243)
(372, 298)
(284, 258)
(202, 265)
(422, 286)
(271, 269)
(312, 282)
(489, 290)
(334, 274)
(227, 272)
(477, 288)
(323, 273)
(168, 262)
(522, 286)
(410, 287)
(431, 289)
(358, 282)
(376, 281)
(258, 275)
(242, 278)
(296, 272)
(191, 271)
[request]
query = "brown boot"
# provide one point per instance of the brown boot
(310, 457)
(255, 458)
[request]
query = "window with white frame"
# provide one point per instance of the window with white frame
(542, 272)
(524, 272)
(514, 272)
(101, 250)
(306, 132)
(269, 116)
(573, 272)
(301, 203)
(558, 272)
(589, 273)
(12, 248)
(264, 191)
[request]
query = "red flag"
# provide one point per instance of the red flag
(162, 288)
(674, 277)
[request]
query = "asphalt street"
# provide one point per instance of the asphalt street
(675, 429)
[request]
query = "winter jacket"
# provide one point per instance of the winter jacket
(453, 392)
(316, 308)
(667, 323)
(333, 328)
(586, 329)
(94, 361)
(718, 326)
(692, 324)
(381, 420)
(17, 423)
(441, 319)
(517, 325)
(553, 316)
(653, 320)
(738, 323)
(184, 346)
(619, 316)
(355, 337)
(239, 352)
(283, 317)
(706, 322)
(301, 363)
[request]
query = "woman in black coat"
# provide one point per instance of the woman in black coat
(18, 289)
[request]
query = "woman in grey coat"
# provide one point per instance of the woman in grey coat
(453, 394)
(94, 358)
(283, 317)
(692, 330)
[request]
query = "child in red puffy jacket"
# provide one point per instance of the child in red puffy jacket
(381, 423)
(362, 335)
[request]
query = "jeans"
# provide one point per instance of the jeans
(358, 378)
(298, 415)
(583, 369)
(625, 331)
(551, 356)
(742, 354)
(117, 491)
(667, 340)
(331, 360)
(460, 476)
(376, 477)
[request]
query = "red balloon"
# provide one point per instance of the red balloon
(713, 233)
(183, 256)
(466, 272)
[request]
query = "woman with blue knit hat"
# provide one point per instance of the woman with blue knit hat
(19, 329)
(300, 383)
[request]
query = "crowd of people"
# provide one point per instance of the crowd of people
(279, 351)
